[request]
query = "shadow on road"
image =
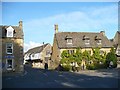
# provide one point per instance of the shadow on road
(40, 78)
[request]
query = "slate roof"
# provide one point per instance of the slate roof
(116, 40)
(119, 38)
(36, 49)
(78, 39)
(18, 33)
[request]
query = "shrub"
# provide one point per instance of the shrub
(90, 67)
(66, 67)
(111, 57)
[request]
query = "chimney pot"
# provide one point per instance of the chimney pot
(102, 32)
(20, 24)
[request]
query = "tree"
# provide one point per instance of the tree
(111, 57)
(86, 55)
(64, 54)
(78, 56)
(96, 54)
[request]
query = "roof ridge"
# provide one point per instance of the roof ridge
(37, 47)
(78, 32)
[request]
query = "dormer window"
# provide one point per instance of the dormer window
(10, 31)
(98, 40)
(86, 40)
(68, 39)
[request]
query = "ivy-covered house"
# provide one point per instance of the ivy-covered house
(70, 41)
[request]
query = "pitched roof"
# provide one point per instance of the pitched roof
(18, 33)
(36, 49)
(77, 39)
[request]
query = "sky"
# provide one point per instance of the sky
(39, 19)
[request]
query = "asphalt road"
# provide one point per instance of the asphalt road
(38, 78)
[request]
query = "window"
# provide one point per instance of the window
(69, 41)
(119, 51)
(70, 51)
(101, 52)
(9, 64)
(87, 41)
(33, 55)
(21, 50)
(9, 48)
(10, 31)
(99, 41)
(47, 52)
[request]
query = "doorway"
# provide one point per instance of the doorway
(9, 64)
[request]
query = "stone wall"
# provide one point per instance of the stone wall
(17, 55)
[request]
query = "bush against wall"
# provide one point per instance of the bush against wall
(111, 57)
(94, 61)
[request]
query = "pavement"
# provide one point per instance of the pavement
(39, 78)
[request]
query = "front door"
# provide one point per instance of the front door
(9, 64)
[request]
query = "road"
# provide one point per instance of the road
(38, 78)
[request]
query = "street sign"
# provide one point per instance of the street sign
(9, 56)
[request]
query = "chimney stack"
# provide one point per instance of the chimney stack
(102, 32)
(20, 24)
(56, 28)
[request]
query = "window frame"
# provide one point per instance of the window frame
(99, 41)
(71, 51)
(9, 48)
(12, 66)
(69, 41)
(87, 41)
(48, 52)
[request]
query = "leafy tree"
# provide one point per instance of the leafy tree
(86, 55)
(96, 54)
(111, 57)
(64, 54)
(78, 56)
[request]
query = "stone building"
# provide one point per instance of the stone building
(116, 43)
(38, 56)
(70, 41)
(12, 39)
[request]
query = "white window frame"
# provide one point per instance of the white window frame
(7, 48)
(99, 41)
(9, 30)
(119, 52)
(87, 41)
(71, 51)
(69, 41)
(7, 64)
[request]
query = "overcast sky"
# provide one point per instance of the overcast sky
(39, 18)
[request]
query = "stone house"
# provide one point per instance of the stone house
(38, 56)
(116, 44)
(70, 41)
(12, 39)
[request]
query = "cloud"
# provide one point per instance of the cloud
(88, 20)
(30, 45)
(92, 16)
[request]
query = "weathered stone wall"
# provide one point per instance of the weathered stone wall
(17, 55)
